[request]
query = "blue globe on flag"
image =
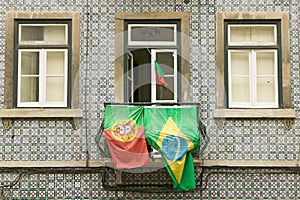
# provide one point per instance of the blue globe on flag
(174, 147)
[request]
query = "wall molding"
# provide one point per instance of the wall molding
(154, 164)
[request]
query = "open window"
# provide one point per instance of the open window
(145, 41)
(142, 82)
(151, 48)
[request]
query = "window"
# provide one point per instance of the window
(42, 63)
(167, 59)
(42, 53)
(145, 41)
(253, 51)
(253, 67)
(152, 34)
(151, 46)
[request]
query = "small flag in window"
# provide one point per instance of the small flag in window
(159, 74)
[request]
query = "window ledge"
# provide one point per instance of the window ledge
(7, 115)
(202, 162)
(255, 113)
(287, 115)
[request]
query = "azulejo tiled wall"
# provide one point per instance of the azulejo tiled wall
(218, 184)
(54, 140)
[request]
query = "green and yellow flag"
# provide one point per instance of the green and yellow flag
(174, 132)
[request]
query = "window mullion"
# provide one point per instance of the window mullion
(175, 75)
(276, 77)
(66, 77)
(229, 79)
(253, 86)
(153, 79)
(19, 78)
(42, 92)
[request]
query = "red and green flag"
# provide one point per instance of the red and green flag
(174, 132)
(159, 74)
(124, 132)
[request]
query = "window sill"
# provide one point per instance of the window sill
(8, 115)
(202, 162)
(287, 115)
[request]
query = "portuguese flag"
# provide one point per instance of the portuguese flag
(124, 132)
(174, 132)
(159, 74)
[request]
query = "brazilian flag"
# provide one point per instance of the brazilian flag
(174, 132)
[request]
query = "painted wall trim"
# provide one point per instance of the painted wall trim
(251, 163)
(40, 113)
(156, 163)
(255, 113)
(8, 115)
(286, 115)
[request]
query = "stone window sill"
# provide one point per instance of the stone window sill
(8, 115)
(287, 115)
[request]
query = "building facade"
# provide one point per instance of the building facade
(50, 148)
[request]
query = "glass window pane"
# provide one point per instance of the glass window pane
(239, 34)
(239, 63)
(163, 93)
(262, 34)
(29, 89)
(29, 63)
(265, 64)
(265, 89)
(254, 33)
(55, 89)
(43, 33)
(55, 34)
(240, 89)
(32, 33)
(166, 62)
(152, 33)
(55, 62)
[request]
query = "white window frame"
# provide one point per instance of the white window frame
(42, 79)
(130, 76)
(153, 78)
(252, 83)
(152, 43)
(42, 42)
(252, 43)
